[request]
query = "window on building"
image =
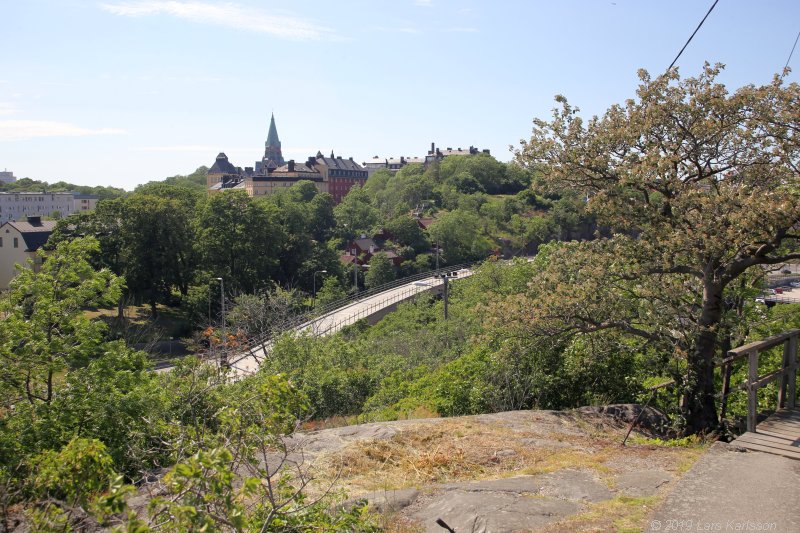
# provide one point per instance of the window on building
(1, 242)
(16, 242)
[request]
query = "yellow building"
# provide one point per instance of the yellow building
(19, 242)
(274, 180)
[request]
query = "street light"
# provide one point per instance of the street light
(314, 277)
(223, 358)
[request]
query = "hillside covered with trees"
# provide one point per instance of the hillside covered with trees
(652, 226)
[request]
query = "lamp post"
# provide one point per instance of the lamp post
(223, 358)
(314, 278)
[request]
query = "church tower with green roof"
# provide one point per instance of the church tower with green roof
(272, 148)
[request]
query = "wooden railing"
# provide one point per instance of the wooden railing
(787, 374)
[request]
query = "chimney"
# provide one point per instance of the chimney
(34, 220)
(291, 165)
(433, 149)
(311, 161)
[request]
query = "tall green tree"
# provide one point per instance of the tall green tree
(355, 214)
(44, 331)
(240, 240)
(381, 270)
(460, 235)
(701, 186)
(157, 237)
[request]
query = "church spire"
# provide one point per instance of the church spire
(272, 136)
(272, 148)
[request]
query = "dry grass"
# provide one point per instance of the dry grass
(463, 449)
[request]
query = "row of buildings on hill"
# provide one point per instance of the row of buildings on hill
(335, 174)
(19, 205)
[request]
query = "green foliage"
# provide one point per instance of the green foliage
(28, 185)
(406, 232)
(381, 271)
(355, 214)
(231, 227)
(80, 471)
(461, 236)
(330, 291)
(704, 182)
(44, 332)
(195, 181)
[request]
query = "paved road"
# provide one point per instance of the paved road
(373, 306)
(731, 490)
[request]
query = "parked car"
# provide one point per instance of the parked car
(795, 284)
(778, 290)
(770, 291)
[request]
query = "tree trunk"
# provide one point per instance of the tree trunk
(153, 309)
(699, 408)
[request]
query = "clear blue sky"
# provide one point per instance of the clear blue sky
(120, 92)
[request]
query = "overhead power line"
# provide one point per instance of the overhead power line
(692, 36)
(790, 55)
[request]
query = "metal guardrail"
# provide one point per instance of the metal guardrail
(301, 319)
(311, 320)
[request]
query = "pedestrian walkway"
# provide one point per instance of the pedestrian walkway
(733, 489)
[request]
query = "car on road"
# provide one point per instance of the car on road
(795, 284)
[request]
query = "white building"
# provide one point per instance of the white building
(19, 242)
(18, 205)
(7, 176)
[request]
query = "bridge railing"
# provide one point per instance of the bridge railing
(303, 318)
(787, 374)
(364, 312)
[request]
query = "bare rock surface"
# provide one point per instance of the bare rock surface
(501, 472)
(494, 511)
(642, 483)
(387, 501)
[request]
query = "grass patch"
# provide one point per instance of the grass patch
(575, 459)
(623, 514)
(137, 325)
(692, 441)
